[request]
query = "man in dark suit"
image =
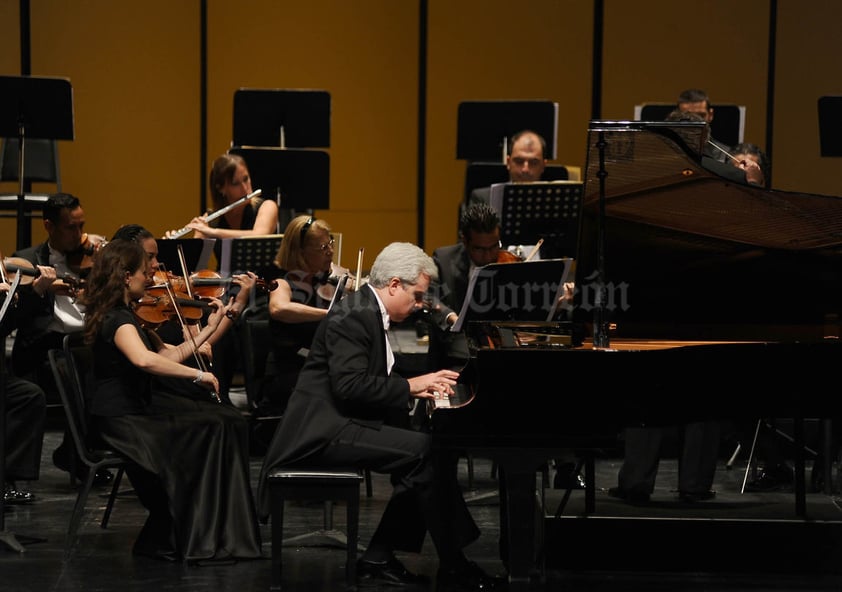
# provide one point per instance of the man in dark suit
(349, 408)
(48, 309)
(25, 410)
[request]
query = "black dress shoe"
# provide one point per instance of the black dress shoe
(778, 478)
(466, 575)
(389, 573)
(12, 495)
(102, 478)
(568, 481)
(631, 497)
(692, 497)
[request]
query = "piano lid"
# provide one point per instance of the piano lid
(692, 254)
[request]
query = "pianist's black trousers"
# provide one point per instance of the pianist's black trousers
(697, 457)
(426, 495)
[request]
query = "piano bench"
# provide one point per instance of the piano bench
(324, 485)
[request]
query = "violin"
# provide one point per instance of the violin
(28, 271)
(504, 256)
(206, 283)
(81, 260)
(156, 307)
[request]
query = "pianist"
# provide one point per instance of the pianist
(349, 408)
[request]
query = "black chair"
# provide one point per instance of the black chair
(67, 374)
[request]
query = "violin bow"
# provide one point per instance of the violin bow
(359, 269)
(200, 361)
(9, 295)
(220, 212)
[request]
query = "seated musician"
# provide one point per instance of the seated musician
(525, 162)
(25, 416)
(349, 408)
(744, 170)
(479, 231)
(191, 468)
(49, 309)
(229, 182)
(216, 350)
(303, 265)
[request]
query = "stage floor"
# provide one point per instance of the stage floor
(734, 542)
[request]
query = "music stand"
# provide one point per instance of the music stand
(33, 107)
(528, 291)
(197, 253)
(530, 212)
(830, 125)
(484, 127)
(281, 118)
(249, 253)
(300, 179)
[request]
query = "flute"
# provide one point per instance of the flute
(220, 212)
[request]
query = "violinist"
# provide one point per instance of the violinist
(192, 463)
(304, 262)
(49, 309)
(230, 182)
(479, 231)
(219, 350)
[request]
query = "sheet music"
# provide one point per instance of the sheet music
(520, 280)
(466, 305)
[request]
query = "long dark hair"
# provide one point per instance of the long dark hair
(106, 284)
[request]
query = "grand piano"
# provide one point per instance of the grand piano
(717, 300)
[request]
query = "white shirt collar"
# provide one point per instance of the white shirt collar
(383, 313)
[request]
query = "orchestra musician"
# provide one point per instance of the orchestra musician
(192, 462)
(745, 170)
(218, 350)
(697, 102)
(304, 265)
(49, 309)
(350, 408)
(229, 182)
(525, 162)
(25, 415)
(479, 245)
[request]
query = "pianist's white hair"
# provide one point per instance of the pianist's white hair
(404, 261)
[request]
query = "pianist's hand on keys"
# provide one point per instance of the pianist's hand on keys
(427, 385)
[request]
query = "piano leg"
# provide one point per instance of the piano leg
(518, 479)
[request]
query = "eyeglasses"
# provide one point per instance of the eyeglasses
(325, 246)
(306, 227)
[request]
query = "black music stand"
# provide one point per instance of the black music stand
(830, 125)
(33, 107)
(484, 127)
(528, 291)
(249, 253)
(196, 253)
(530, 212)
(299, 179)
(281, 118)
